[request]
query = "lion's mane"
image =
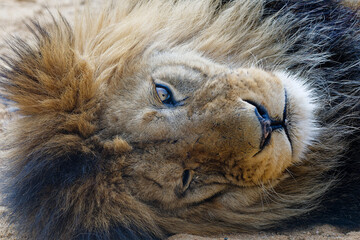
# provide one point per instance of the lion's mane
(62, 181)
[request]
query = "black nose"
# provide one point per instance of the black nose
(266, 132)
(267, 124)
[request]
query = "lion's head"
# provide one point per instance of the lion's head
(197, 128)
(162, 117)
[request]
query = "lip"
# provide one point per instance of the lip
(285, 121)
(269, 125)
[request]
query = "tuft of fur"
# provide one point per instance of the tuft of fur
(354, 4)
(94, 154)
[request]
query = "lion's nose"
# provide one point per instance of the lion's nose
(266, 131)
(267, 125)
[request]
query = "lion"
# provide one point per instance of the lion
(151, 118)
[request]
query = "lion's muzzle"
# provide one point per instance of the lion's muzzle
(238, 120)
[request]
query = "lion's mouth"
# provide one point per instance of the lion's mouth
(285, 121)
(269, 125)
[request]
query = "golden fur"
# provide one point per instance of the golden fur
(103, 150)
(355, 4)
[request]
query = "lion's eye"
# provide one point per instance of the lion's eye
(165, 95)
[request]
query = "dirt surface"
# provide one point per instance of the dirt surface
(13, 14)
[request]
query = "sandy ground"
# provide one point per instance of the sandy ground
(12, 16)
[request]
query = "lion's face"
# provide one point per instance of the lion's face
(198, 128)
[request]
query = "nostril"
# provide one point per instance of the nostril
(267, 129)
(260, 110)
(265, 122)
